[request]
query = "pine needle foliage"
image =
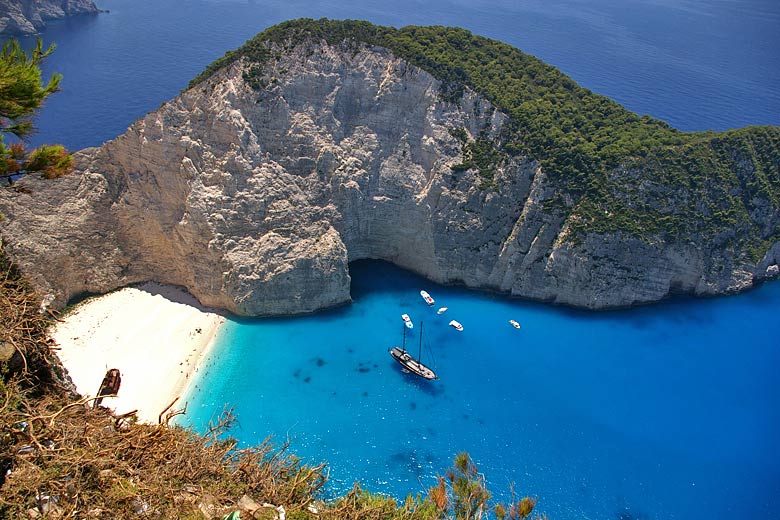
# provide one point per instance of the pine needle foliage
(22, 93)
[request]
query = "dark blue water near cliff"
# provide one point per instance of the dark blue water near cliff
(668, 411)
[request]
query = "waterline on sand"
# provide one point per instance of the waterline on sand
(156, 336)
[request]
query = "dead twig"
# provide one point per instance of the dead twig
(159, 417)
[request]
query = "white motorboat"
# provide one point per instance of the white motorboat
(427, 297)
(407, 321)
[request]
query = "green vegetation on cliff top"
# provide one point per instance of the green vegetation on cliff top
(614, 170)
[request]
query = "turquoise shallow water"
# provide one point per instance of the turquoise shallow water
(665, 411)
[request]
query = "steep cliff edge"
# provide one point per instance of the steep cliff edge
(319, 143)
(26, 17)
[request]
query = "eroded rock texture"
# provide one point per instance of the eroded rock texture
(255, 200)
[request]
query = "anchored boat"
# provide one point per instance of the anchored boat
(427, 297)
(406, 360)
(407, 321)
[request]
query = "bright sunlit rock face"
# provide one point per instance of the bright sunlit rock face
(255, 199)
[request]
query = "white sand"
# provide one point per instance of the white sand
(149, 333)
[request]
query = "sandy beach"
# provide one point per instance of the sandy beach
(156, 336)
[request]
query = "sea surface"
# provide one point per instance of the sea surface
(670, 411)
(665, 411)
(697, 64)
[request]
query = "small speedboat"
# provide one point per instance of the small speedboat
(514, 324)
(456, 325)
(407, 320)
(427, 297)
(442, 310)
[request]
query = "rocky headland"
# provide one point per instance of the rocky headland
(27, 17)
(319, 143)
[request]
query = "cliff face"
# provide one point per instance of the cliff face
(255, 199)
(25, 17)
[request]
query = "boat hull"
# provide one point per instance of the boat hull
(407, 321)
(412, 365)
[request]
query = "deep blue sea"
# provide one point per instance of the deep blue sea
(670, 411)
(697, 64)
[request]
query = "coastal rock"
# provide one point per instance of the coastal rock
(26, 17)
(255, 191)
(246, 503)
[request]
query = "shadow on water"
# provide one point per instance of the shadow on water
(432, 388)
(628, 514)
(675, 309)
(374, 276)
(411, 461)
(365, 367)
(423, 432)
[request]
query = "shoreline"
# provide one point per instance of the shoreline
(156, 335)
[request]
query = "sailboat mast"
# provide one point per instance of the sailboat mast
(403, 347)
(419, 353)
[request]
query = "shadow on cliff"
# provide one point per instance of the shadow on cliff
(178, 294)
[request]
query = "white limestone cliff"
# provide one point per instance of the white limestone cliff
(257, 200)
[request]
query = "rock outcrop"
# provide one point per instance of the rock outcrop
(256, 199)
(26, 17)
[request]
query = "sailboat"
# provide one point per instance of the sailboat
(406, 360)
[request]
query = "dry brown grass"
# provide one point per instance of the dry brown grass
(96, 465)
(23, 334)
